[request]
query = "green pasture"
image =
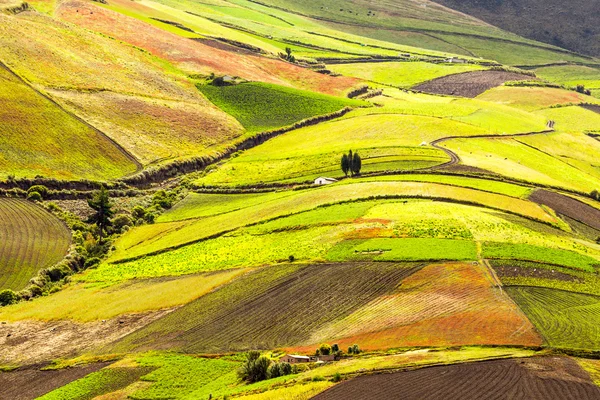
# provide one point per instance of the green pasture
(565, 319)
(534, 98)
(571, 75)
(401, 74)
(261, 106)
(526, 252)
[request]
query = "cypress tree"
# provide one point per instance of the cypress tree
(356, 164)
(350, 161)
(100, 203)
(345, 164)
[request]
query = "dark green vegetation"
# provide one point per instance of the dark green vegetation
(275, 307)
(30, 239)
(565, 319)
(260, 106)
(543, 20)
(106, 380)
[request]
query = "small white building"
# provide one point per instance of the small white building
(294, 359)
(324, 181)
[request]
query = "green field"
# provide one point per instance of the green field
(572, 75)
(565, 319)
(40, 138)
(106, 380)
(30, 239)
(260, 106)
(159, 237)
(401, 74)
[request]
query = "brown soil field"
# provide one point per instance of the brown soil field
(27, 342)
(30, 382)
(195, 57)
(470, 84)
(568, 206)
(510, 271)
(539, 378)
(448, 304)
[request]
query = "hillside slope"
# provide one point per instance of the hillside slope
(542, 20)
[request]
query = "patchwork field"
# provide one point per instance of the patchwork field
(401, 74)
(248, 313)
(30, 239)
(534, 98)
(534, 378)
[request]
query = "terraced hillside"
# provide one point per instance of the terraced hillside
(30, 239)
(399, 195)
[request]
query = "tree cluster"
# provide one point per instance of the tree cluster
(288, 56)
(257, 368)
(351, 163)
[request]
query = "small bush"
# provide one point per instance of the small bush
(120, 221)
(325, 349)
(292, 258)
(34, 196)
(255, 369)
(8, 297)
(91, 262)
(336, 377)
(318, 378)
(138, 212)
(41, 189)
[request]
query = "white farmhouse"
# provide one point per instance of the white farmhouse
(324, 181)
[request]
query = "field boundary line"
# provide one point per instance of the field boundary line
(125, 152)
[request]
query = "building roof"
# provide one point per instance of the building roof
(327, 179)
(298, 356)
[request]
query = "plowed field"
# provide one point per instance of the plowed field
(30, 239)
(532, 379)
(470, 84)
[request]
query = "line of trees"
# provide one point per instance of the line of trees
(351, 163)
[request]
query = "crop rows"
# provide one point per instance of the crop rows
(565, 319)
(275, 307)
(440, 305)
(30, 239)
(535, 379)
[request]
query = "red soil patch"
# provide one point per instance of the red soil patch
(441, 305)
(533, 379)
(30, 382)
(470, 84)
(568, 206)
(194, 56)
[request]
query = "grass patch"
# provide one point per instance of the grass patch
(547, 255)
(261, 106)
(565, 319)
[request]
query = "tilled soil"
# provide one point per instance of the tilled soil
(568, 206)
(539, 378)
(470, 84)
(28, 342)
(30, 382)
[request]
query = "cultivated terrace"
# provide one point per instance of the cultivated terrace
(281, 199)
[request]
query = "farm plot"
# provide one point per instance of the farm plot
(30, 239)
(565, 319)
(30, 382)
(536, 274)
(534, 378)
(571, 75)
(534, 98)
(470, 84)
(160, 237)
(248, 313)
(568, 206)
(526, 252)
(533, 159)
(401, 74)
(40, 138)
(260, 106)
(88, 303)
(194, 57)
(97, 383)
(440, 305)
(385, 142)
